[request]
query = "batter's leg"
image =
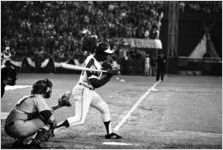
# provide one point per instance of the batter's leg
(81, 107)
(99, 104)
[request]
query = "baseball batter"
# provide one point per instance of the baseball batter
(84, 94)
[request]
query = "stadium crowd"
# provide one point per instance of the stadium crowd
(54, 28)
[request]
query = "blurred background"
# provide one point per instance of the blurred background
(37, 35)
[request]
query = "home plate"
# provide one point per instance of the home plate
(122, 80)
(115, 143)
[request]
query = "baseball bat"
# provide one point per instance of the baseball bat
(74, 67)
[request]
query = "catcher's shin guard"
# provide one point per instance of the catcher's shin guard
(42, 136)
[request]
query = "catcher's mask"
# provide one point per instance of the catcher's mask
(43, 87)
(9, 73)
(102, 51)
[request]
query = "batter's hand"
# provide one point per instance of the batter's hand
(106, 65)
(112, 72)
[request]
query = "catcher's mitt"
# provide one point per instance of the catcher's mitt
(64, 100)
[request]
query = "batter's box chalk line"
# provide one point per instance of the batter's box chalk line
(4, 115)
(154, 90)
(7, 88)
(135, 106)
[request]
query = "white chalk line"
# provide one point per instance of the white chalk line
(4, 115)
(116, 143)
(15, 87)
(134, 106)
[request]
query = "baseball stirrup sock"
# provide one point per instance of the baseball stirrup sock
(108, 127)
(65, 123)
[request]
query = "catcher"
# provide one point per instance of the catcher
(85, 95)
(31, 121)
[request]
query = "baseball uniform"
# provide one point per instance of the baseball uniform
(24, 120)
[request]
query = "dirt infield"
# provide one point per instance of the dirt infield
(184, 112)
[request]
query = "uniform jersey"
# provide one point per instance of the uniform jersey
(31, 104)
(91, 63)
(85, 97)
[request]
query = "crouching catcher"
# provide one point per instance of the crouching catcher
(31, 121)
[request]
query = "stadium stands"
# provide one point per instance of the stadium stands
(54, 28)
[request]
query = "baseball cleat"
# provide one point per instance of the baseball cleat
(113, 136)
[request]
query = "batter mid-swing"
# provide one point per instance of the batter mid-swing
(84, 94)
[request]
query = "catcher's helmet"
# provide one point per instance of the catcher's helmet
(102, 50)
(9, 72)
(42, 87)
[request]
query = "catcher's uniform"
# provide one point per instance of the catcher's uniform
(24, 119)
(85, 96)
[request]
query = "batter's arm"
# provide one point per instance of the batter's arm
(96, 82)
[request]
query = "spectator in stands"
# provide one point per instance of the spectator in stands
(154, 32)
(146, 35)
(5, 55)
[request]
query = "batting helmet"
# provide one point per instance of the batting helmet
(102, 50)
(42, 87)
(9, 72)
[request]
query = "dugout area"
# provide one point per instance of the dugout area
(184, 112)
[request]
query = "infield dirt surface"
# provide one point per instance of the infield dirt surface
(184, 112)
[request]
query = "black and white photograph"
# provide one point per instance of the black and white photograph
(111, 74)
